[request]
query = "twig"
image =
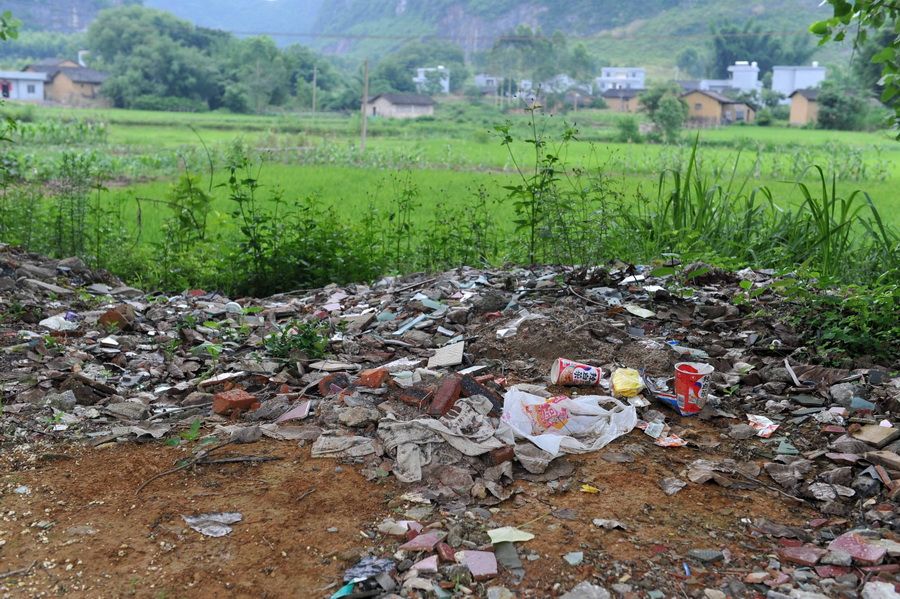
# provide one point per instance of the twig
(587, 299)
(305, 493)
(200, 456)
(18, 572)
(238, 459)
(770, 487)
(414, 285)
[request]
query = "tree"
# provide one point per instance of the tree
(669, 117)
(650, 99)
(732, 43)
(691, 62)
(869, 15)
(840, 107)
(395, 72)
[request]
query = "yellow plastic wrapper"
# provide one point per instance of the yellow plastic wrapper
(626, 382)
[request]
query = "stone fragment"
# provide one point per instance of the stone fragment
(888, 459)
(879, 590)
(358, 416)
(121, 317)
(837, 557)
(127, 410)
(482, 564)
(843, 392)
(574, 558)
(424, 542)
(587, 590)
(877, 435)
(671, 485)
(741, 431)
(860, 549)
(706, 556)
(64, 401)
(449, 355)
(429, 564)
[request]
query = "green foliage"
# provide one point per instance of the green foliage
(859, 17)
(669, 117)
(840, 107)
(731, 43)
(297, 339)
(395, 72)
(691, 62)
(628, 130)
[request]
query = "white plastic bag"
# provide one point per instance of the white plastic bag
(567, 425)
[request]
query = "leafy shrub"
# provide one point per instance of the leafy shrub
(168, 104)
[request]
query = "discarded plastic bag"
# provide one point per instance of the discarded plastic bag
(626, 382)
(567, 425)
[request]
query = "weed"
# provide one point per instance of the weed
(297, 339)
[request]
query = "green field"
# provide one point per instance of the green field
(434, 188)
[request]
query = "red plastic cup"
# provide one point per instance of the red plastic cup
(691, 386)
(569, 372)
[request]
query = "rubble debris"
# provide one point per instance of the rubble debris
(439, 384)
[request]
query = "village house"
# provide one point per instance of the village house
(486, 83)
(69, 83)
(804, 107)
(622, 100)
(16, 85)
(708, 108)
(400, 106)
(621, 78)
(744, 77)
(432, 79)
(787, 80)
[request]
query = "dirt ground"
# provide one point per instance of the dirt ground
(306, 520)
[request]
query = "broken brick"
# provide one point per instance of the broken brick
(806, 555)
(445, 397)
(831, 571)
(424, 542)
(502, 454)
(445, 552)
(469, 387)
(234, 401)
(372, 378)
(333, 383)
(120, 317)
(482, 564)
(415, 396)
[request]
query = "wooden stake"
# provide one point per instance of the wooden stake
(365, 101)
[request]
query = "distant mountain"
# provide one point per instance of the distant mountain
(249, 16)
(647, 32)
(652, 31)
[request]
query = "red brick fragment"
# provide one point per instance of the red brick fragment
(502, 454)
(831, 571)
(859, 548)
(233, 402)
(807, 555)
(333, 383)
(372, 378)
(445, 552)
(416, 396)
(445, 397)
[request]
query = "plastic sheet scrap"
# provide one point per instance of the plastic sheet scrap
(762, 425)
(213, 525)
(561, 424)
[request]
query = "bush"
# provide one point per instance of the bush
(168, 104)
(628, 130)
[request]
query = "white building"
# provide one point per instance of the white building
(787, 80)
(744, 77)
(424, 77)
(487, 83)
(621, 78)
(19, 85)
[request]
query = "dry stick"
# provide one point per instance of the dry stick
(770, 487)
(305, 493)
(414, 285)
(18, 572)
(200, 455)
(238, 459)
(587, 299)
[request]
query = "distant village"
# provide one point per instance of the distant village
(710, 102)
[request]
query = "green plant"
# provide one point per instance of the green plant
(296, 339)
(192, 434)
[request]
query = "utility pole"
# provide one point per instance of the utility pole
(365, 100)
(315, 73)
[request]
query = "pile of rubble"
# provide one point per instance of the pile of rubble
(426, 379)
